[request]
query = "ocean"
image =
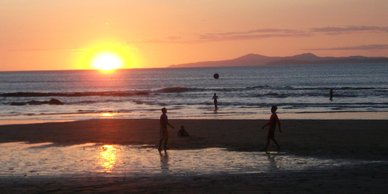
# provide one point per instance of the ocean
(244, 92)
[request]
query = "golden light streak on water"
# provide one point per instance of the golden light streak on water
(108, 157)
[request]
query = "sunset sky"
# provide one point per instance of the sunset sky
(68, 34)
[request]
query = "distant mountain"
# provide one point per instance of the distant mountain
(305, 58)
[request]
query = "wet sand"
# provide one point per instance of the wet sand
(359, 139)
(327, 139)
(350, 180)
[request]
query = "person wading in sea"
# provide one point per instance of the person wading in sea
(331, 94)
(215, 98)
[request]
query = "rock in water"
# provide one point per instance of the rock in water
(54, 101)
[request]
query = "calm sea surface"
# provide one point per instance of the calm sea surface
(187, 93)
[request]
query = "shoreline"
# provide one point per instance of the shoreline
(337, 115)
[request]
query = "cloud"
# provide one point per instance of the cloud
(252, 34)
(257, 31)
(357, 47)
(281, 32)
(42, 49)
(262, 33)
(169, 39)
(349, 29)
(225, 36)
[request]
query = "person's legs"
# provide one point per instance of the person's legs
(267, 145)
(165, 145)
(277, 145)
(161, 143)
(164, 137)
(269, 137)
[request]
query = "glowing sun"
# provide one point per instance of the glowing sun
(107, 61)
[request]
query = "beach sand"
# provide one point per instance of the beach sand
(328, 139)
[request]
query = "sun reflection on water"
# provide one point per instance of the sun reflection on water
(108, 157)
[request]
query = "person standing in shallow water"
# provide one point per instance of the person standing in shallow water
(331, 94)
(163, 130)
(271, 128)
(215, 97)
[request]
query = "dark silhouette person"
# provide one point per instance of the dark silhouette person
(182, 132)
(271, 128)
(163, 130)
(215, 97)
(331, 94)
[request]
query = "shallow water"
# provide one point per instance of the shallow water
(47, 159)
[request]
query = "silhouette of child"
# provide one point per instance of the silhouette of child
(271, 129)
(331, 94)
(163, 130)
(182, 132)
(215, 97)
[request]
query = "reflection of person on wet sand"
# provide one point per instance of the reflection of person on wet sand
(164, 162)
(271, 129)
(215, 97)
(163, 130)
(272, 162)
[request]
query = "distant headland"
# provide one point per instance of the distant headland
(251, 60)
